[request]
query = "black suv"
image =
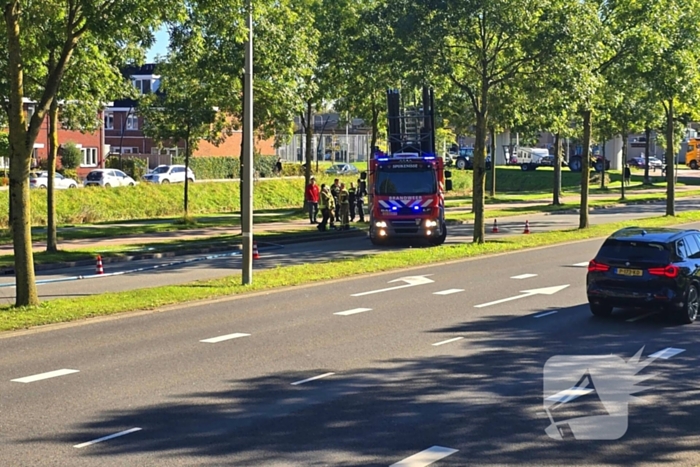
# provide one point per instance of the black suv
(647, 268)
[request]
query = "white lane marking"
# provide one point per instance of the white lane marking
(448, 341)
(448, 291)
(581, 265)
(542, 315)
(524, 276)
(527, 293)
(411, 281)
(325, 375)
(105, 438)
(215, 340)
(50, 374)
(645, 315)
(667, 353)
(426, 457)
(570, 394)
(354, 311)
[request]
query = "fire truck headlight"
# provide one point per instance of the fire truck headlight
(382, 233)
(429, 232)
(430, 223)
(380, 224)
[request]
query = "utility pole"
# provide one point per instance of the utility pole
(247, 198)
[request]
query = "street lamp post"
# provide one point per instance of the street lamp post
(247, 196)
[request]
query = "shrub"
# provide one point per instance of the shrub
(70, 173)
(135, 167)
(70, 156)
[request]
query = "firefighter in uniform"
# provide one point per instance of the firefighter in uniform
(360, 197)
(352, 192)
(327, 207)
(335, 190)
(344, 199)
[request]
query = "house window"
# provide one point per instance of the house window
(143, 85)
(109, 121)
(132, 122)
(89, 157)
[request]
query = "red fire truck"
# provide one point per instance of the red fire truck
(407, 186)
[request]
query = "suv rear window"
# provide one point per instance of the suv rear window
(616, 250)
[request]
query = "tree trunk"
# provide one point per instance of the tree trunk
(625, 136)
(479, 181)
(309, 137)
(21, 146)
(51, 236)
(602, 172)
(375, 129)
(492, 137)
(670, 175)
(585, 169)
(556, 191)
(647, 149)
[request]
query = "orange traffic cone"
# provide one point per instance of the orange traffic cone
(527, 227)
(495, 227)
(100, 270)
(256, 254)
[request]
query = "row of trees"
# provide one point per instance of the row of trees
(584, 68)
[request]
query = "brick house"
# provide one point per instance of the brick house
(124, 127)
(92, 145)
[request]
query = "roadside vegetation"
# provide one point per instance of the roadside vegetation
(64, 310)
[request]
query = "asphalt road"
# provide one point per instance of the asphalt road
(182, 390)
(197, 269)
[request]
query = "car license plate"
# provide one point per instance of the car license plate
(629, 272)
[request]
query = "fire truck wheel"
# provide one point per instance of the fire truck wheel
(443, 236)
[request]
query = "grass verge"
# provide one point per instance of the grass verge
(64, 310)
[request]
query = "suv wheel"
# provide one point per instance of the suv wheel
(107, 185)
(601, 309)
(692, 303)
(165, 181)
(694, 165)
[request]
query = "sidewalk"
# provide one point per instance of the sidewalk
(294, 225)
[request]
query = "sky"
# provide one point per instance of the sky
(160, 47)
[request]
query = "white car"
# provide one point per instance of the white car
(169, 174)
(41, 180)
(108, 178)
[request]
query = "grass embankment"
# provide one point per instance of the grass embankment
(64, 310)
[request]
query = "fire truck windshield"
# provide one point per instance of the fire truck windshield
(406, 182)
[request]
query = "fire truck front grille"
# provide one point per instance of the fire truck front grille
(405, 227)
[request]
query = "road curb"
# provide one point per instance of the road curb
(288, 240)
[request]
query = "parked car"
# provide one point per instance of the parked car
(169, 174)
(640, 162)
(655, 269)
(41, 180)
(342, 169)
(108, 178)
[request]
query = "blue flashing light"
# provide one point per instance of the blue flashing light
(382, 159)
(394, 208)
(416, 208)
(429, 158)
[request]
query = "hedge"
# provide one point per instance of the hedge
(227, 167)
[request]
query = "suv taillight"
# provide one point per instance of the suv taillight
(669, 271)
(595, 266)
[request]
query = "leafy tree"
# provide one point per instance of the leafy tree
(479, 48)
(70, 156)
(670, 65)
(184, 108)
(124, 24)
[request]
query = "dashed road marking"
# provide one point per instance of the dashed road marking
(645, 315)
(667, 353)
(325, 375)
(354, 311)
(454, 339)
(215, 340)
(524, 276)
(47, 375)
(108, 437)
(542, 315)
(448, 291)
(427, 457)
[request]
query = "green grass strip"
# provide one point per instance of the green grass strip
(63, 310)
